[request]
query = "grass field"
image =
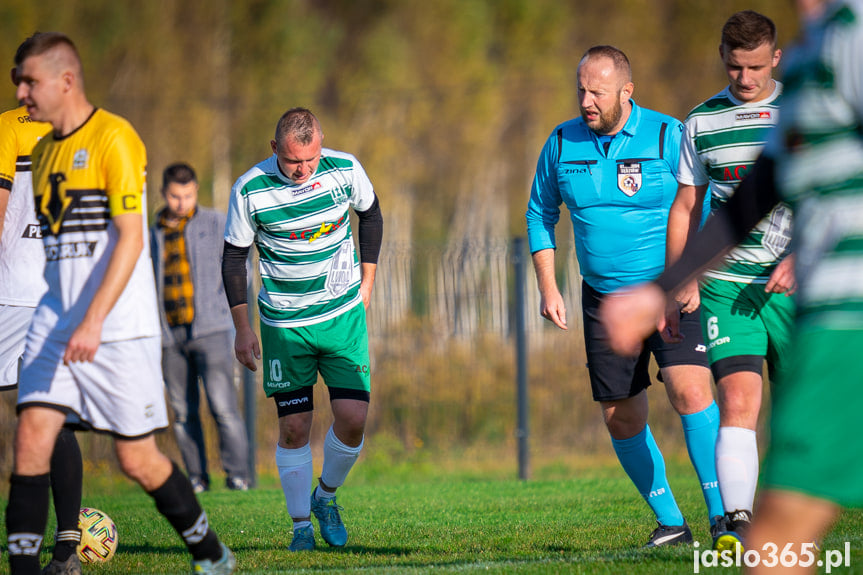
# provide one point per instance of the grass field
(573, 517)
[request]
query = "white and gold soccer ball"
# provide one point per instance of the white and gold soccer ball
(98, 536)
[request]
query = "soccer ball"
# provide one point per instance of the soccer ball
(98, 536)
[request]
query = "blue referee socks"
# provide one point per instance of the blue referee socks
(701, 430)
(643, 462)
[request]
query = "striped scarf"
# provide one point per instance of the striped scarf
(179, 290)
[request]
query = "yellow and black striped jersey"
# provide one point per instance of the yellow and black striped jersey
(81, 181)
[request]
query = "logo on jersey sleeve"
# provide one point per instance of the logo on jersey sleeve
(629, 178)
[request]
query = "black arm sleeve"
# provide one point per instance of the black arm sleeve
(234, 274)
(755, 197)
(371, 231)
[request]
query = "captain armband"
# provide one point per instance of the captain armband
(126, 203)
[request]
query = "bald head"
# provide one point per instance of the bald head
(616, 60)
(604, 89)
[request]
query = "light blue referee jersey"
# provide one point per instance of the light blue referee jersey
(618, 201)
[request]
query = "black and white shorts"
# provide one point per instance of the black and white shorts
(14, 321)
(121, 392)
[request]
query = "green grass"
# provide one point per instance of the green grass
(575, 517)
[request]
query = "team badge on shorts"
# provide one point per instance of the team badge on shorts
(629, 178)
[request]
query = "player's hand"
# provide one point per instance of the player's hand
(630, 316)
(84, 343)
(687, 297)
(247, 349)
(552, 308)
(782, 280)
(366, 294)
(670, 332)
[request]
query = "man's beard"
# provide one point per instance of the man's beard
(608, 120)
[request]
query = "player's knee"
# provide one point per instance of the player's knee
(143, 463)
(148, 474)
(352, 437)
(351, 423)
(132, 463)
(691, 399)
(293, 434)
(349, 416)
(623, 427)
(35, 437)
(739, 408)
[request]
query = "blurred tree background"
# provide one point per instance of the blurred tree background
(446, 103)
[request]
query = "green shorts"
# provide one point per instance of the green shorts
(337, 348)
(743, 320)
(814, 447)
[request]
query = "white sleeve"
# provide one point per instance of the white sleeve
(240, 229)
(849, 75)
(690, 172)
(362, 191)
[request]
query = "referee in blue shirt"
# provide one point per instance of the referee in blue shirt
(615, 168)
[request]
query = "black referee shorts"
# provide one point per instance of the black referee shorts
(616, 377)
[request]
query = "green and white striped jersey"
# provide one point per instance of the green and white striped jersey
(309, 269)
(723, 138)
(818, 150)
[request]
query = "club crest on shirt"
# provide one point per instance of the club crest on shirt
(339, 194)
(629, 178)
(80, 159)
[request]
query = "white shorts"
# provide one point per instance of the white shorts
(121, 392)
(14, 321)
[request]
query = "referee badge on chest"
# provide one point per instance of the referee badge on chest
(629, 178)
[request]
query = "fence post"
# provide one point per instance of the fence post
(521, 432)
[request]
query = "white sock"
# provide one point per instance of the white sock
(737, 467)
(301, 524)
(295, 472)
(338, 460)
